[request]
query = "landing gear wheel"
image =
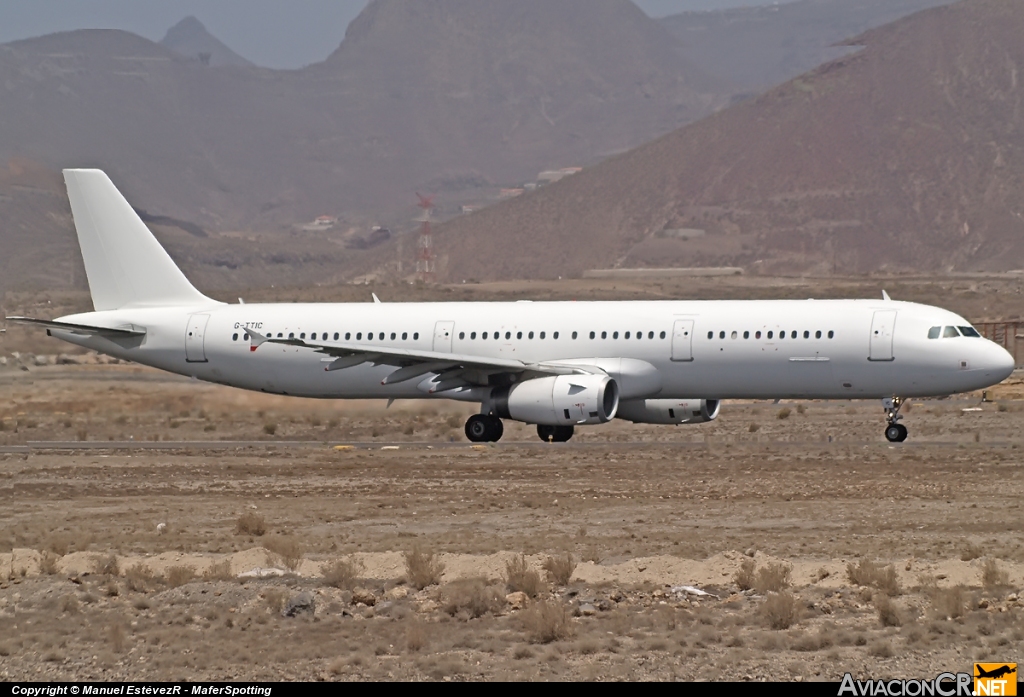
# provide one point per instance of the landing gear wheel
(555, 434)
(478, 428)
(896, 433)
(482, 428)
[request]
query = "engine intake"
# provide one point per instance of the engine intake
(669, 411)
(559, 401)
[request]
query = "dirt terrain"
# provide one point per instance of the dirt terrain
(174, 556)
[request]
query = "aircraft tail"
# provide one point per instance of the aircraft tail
(125, 264)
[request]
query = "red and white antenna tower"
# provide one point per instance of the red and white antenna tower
(425, 250)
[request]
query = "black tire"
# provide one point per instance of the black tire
(478, 428)
(555, 434)
(895, 433)
(496, 429)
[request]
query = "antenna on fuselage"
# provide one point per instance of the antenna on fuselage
(885, 296)
(376, 300)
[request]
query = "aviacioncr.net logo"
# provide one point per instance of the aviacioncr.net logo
(943, 685)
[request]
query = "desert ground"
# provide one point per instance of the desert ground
(159, 528)
(156, 527)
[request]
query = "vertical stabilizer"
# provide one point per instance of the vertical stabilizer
(125, 264)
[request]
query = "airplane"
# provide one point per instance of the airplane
(557, 365)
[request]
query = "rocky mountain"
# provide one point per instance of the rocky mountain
(190, 38)
(754, 48)
(907, 155)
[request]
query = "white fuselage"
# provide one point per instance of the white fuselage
(854, 349)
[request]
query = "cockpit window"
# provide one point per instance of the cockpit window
(949, 332)
(970, 331)
(934, 332)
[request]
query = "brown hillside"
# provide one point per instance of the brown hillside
(907, 155)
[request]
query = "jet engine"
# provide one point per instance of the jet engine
(562, 400)
(669, 411)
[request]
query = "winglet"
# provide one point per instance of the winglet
(256, 338)
(885, 296)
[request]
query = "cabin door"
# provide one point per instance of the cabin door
(881, 335)
(682, 340)
(195, 339)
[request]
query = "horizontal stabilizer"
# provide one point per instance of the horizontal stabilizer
(129, 330)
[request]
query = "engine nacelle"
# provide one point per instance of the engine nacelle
(562, 400)
(669, 411)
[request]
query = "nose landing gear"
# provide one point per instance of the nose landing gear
(895, 432)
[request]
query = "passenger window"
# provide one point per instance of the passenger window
(508, 335)
(591, 335)
(831, 333)
(405, 336)
(381, 337)
(663, 335)
(302, 335)
(279, 335)
(711, 335)
(291, 335)
(807, 334)
(604, 335)
(949, 333)
(650, 335)
(348, 336)
(770, 334)
(970, 331)
(817, 334)
(530, 335)
(393, 336)
(626, 335)
(542, 335)
(472, 335)
(934, 332)
(757, 335)
(555, 336)
(484, 335)
(615, 335)
(519, 335)
(416, 336)
(245, 337)
(639, 335)
(234, 337)
(721, 335)
(746, 335)
(359, 336)
(574, 335)
(782, 335)
(734, 335)
(462, 336)
(336, 336)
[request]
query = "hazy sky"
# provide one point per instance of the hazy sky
(272, 33)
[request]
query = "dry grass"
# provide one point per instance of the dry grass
(270, 429)
(176, 576)
(970, 552)
(117, 635)
(473, 597)
(784, 413)
(250, 523)
(992, 576)
(772, 578)
(48, 563)
(342, 573)
(744, 576)
(423, 569)
(109, 566)
(287, 548)
(68, 604)
(560, 569)
(275, 599)
(545, 622)
(869, 573)
(519, 577)
(780, 610)
(881, 649)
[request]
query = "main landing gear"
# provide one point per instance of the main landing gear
(895, 432)
(484, 428)
(555, 434)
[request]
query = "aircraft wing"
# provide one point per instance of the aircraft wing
(453, 370)
(125, 331)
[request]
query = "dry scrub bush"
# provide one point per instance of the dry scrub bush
(288, 548)
(519, 577)
(179, 575)
(416, 636)
(250, 523)
(474, 596)
(772, 578)
(744, 576)
(812, 642)
(118, 637)
(754, 428)
(68, 604)
(545, 622)
(888, 613)
(270, 429)
(784, 413)
(109, 566)
(992, 576)
(881, 649)
(560, 569)
(780, 610)
(423, 569)
(869, 573)
(275, 598)
(342, 573)
(140, 579)
(970, 552)
(48, 563)
(950, 603)
(219, 571)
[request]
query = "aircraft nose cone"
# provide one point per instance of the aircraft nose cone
(998, 362)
